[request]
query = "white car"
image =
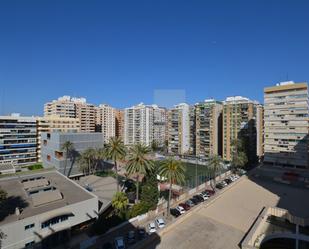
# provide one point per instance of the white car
(180, 209)
(160, 223)
(204, 196)
(152, 227)
(232, 178)
(119, 243)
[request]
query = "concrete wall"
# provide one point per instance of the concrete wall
(52, 142)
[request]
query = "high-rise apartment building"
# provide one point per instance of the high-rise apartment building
(286, 125)
(106, 121)
(70, 107)
(119, 123)
(181, 125)
(239, 123)
(159, 125)
(54, 124)
(208, 128)
(18, 141)
(142, 124)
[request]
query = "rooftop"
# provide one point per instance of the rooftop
(39, 193)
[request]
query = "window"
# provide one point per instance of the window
(48, 158)
(29, 226)
(45, 142)
(54, 221)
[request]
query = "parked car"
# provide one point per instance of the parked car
(185, 206)
(189, 203)
(181, 209)
(160, 223)
(195, 201)
(119, 243)
(228, 181)
(152, 227)
(209, 191)
(175, 212)
(201, 199)
(141, 233)
(131, 237)
(241, 172)
(219, 186)
(205, 196)
(224, 183)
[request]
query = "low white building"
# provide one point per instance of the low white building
(43, 209)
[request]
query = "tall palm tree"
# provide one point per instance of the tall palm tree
(68, 147)
(216, 165)
(115, 151)
(138, 163)
(120, 202)
(174, 172)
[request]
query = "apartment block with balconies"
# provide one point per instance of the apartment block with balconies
(286, 125)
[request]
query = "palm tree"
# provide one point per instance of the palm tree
(115, 151)
(216, 165)
(174, 172)
(138, 163)
(68, 147)
(87, 159)
(239, 157)
(120, 202)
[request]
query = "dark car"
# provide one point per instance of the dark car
(190, 203)
(141, 233)
(195, 201)
(185, 206)
(219, 186)
(175, 212)
(228, 181)
(199, 198)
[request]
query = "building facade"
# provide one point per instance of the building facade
(239, 123)
(208, 128)
(70, 107)
(48, 209)
(54, 124)
(18, 141)
(106, 121)
(119, 123)
(286, 125)
(181, 126)
(144, 124)
(53, 155)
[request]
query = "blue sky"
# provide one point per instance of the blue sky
(124, 52)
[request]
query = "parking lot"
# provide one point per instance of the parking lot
(224, 222)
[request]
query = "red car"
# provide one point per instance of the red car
(185, 206)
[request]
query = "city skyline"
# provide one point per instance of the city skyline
(122, 54)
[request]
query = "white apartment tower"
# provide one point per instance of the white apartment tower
(286, 125)
(179, 129)
(105, 121)
(144, 124)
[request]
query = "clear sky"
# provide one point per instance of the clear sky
(124, 52)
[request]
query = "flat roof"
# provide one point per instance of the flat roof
(31, 205)
(282, 88)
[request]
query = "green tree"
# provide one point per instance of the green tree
(215, 165)
(68, 147)
(150, 192)
(174, 172)
(139, 208)
(239, 156)
(115, 151)
(139, 164)
(120, 203)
